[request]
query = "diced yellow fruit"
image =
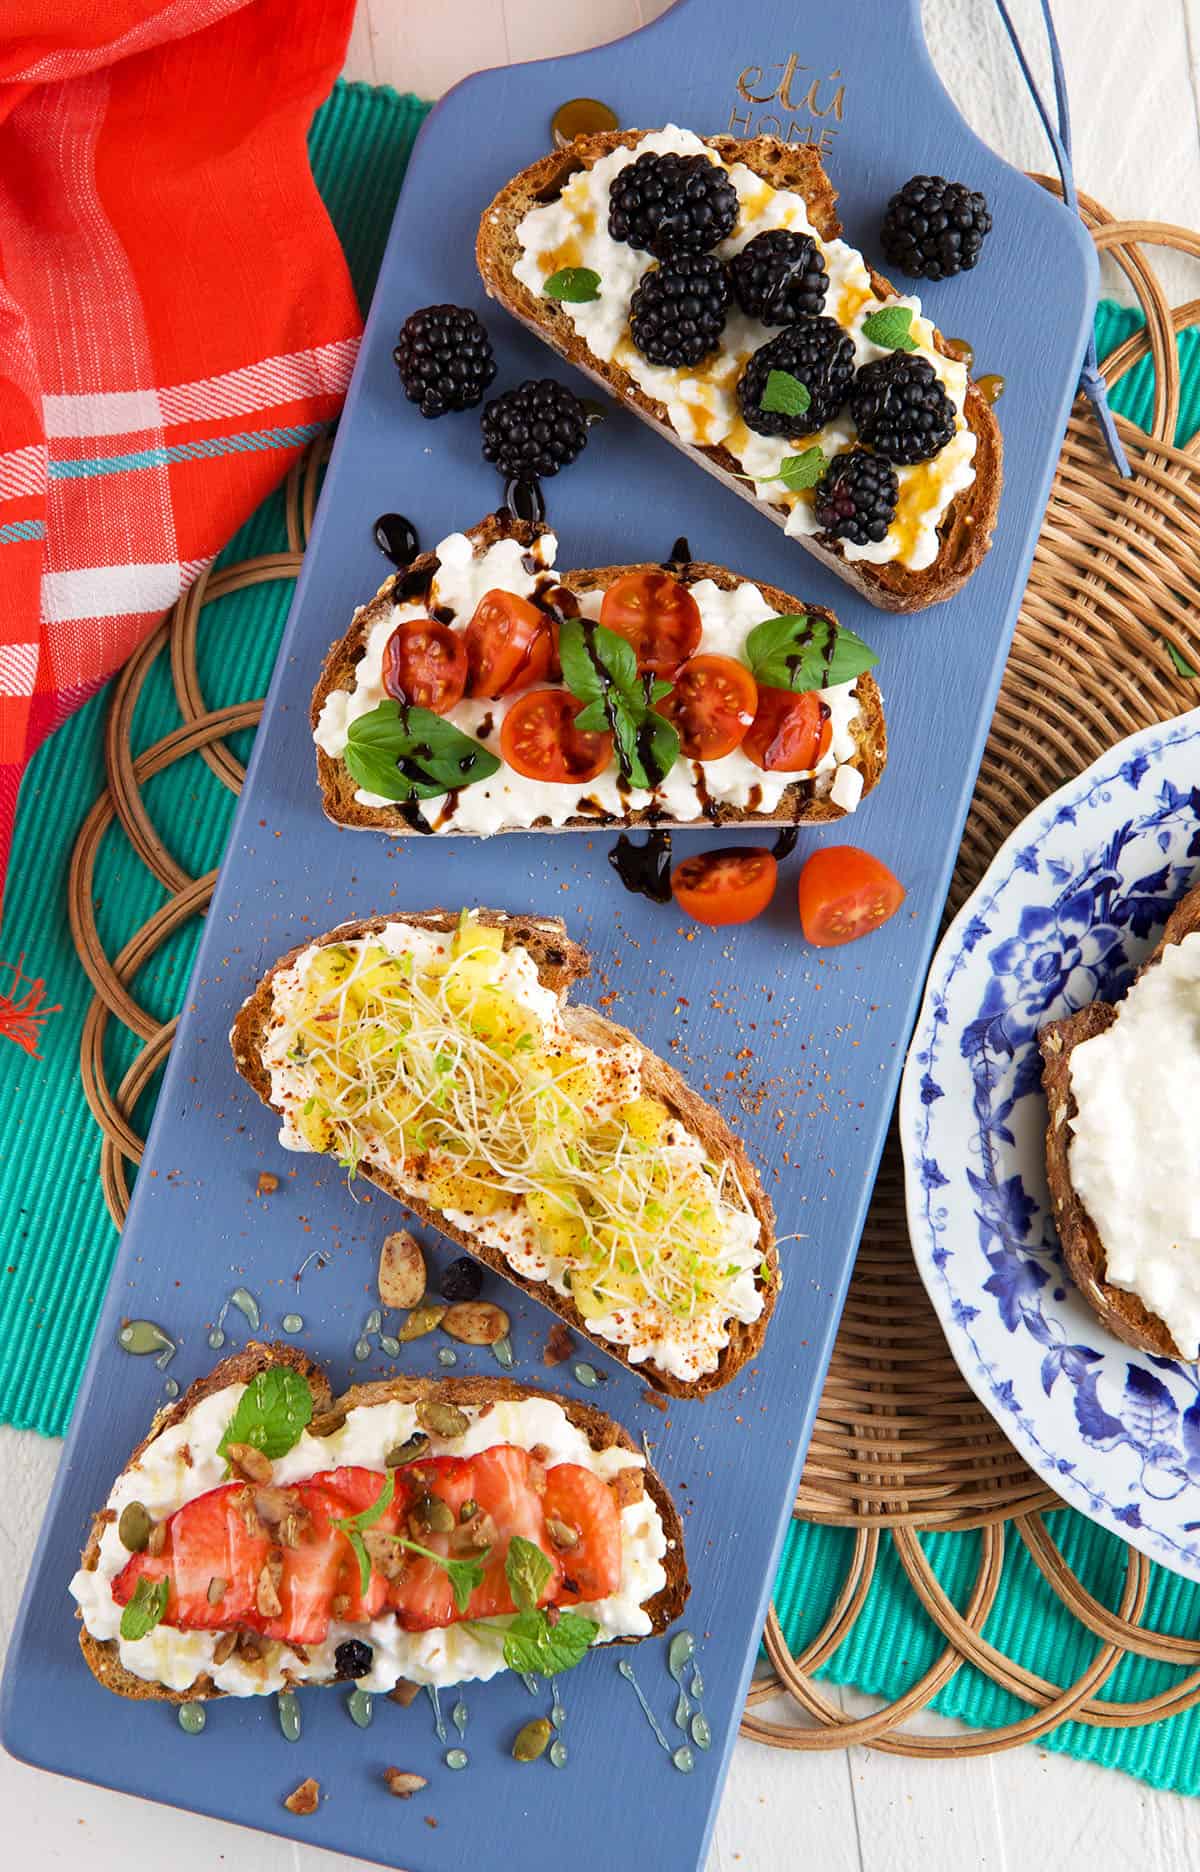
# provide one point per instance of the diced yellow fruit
(467, 1190)
(558, 1226)
(498, 1017)
(618, 1291)
(580, 1083)
(477, 939)
(315, 1128)
(583, 1294)
(645, 1119)
(328, 969)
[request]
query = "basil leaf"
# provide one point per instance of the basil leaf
(595, 659)
(785, 395)
(146, 1608)
(574, 285)
(889, 327)
(271, 1414)
(798, 472)
(647, 745)
(593, 719)
(533, 1645)
(412, 753)
(1180, 661)
(526, 1568)
(805, 652)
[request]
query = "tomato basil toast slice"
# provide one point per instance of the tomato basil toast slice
(786, 391)
(438, 1057)
(482, 689)
(266, 1535)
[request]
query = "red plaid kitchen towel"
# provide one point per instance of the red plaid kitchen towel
(176, 317)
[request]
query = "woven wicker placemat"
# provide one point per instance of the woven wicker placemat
(1109, 625)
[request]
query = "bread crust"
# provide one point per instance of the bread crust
(560, 962)
(338, 786)
(602, 1432)
(966, 531)
(1123, 1313)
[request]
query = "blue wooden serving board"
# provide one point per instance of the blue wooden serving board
(802, 1050)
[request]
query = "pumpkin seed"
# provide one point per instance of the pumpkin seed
(532, 1740)
(476, 1322)
(442, 1420)
(420, 1321)
(328, 1424)
(441, 1515)
(401, 1277)
(417, 1445)
(134, 1527)
(562, 1533)
(469, 1510)
(217, 1588)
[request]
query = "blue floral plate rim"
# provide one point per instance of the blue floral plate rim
(1068, 908)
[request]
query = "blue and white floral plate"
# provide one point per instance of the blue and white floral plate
(1070, 906)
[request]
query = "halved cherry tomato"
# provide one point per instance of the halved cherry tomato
(657, 615)
(789, 732)
(539, 738)
(730, 885)
(510, 645)
(712, 705)
(425, 663)
(845, 893)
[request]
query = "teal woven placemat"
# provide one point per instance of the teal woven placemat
(57, 1240)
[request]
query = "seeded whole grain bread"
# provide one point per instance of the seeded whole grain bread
(1123, 1313)
(560, 963)
(966, 531)
(338, 786)
(103, 1656)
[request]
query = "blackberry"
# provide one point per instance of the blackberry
(445, 360)
(779, 276)
(815, 351)
(856, 501)
(352, 1658)
(678, 312)
(534, 430)
(900, 408)
(933, 229)
(671, 204)
(462, 1280)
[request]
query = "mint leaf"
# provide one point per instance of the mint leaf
(805, 652)
(526, 1568)
(1181, 663)
(411, 753)
(595, 660)
(798, 472)
(574, 285)
(352, 1525)
(271, 1414)
(146, 1608)
(600, 668)
(785, 395)
(532, 1644)
(465, 1575)
(889, 327)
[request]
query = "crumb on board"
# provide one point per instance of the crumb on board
(304, 1799)
(560, 1343)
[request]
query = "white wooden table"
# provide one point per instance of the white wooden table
(1134, 71)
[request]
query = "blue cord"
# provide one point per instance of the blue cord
(1091, 381)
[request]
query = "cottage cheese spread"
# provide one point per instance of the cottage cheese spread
(182, 1463)
(684, 1344)
(701, 400)
(1135, 1146)
(508, 799)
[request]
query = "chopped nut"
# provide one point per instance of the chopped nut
(628, 1485)
(539, 1453)
(386, 1558)
(217, 1588)
(403, 1785)
(273, 1505)
(249, 1646)
(224, 1647)
(480, 1531)
(156, 1540)
(266, 1596)
(442, 1420)
(1060, 1114)
(268, 1183)
(340, 1605)
(291, 1528)
(404, 1693)
(476, 1322)
(253, 1464)
(305, 1799)
(562, 1533)
(560, 1343)
(185, 1455)
(401, 1271)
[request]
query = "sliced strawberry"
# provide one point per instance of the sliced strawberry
(506, 1485)
(206, 1541)
(584, 1504)
(423, 1599)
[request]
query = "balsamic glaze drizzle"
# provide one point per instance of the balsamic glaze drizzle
(525, 500)
(397, 538)
(785, 843)
(681, 552)
(644, 869)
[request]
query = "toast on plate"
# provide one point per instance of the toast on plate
(551, 220)
(356, 718)
(266, 1535)
(1130, 1314)
(438, 1056)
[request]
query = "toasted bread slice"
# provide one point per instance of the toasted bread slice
(560, 963)
(965, 533)
(103, 1656)
(1123, 1313)
(804, 802)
